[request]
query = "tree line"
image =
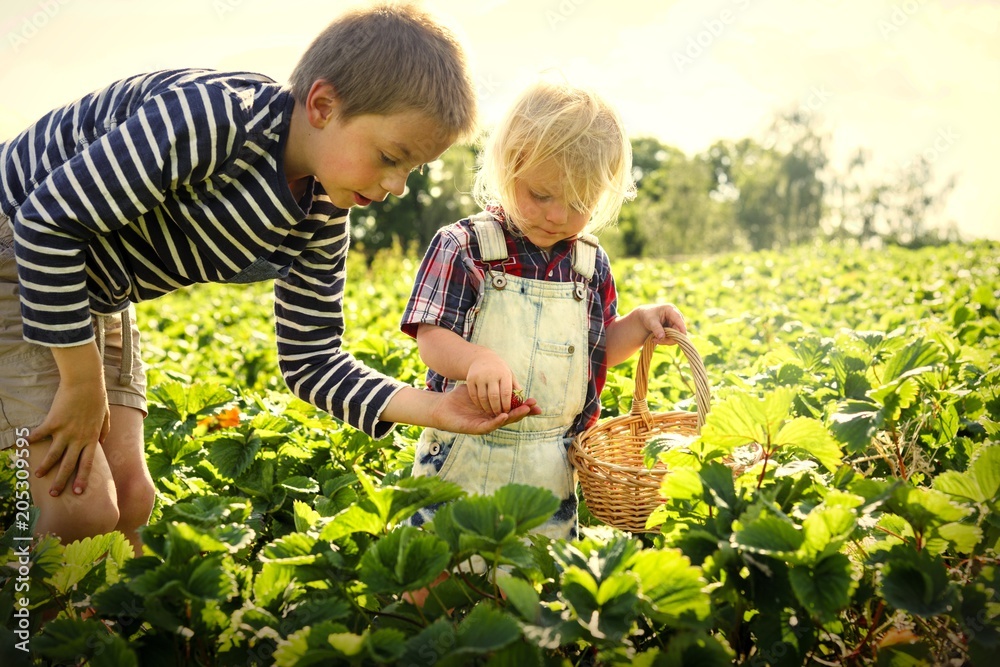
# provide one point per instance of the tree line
(748, 194)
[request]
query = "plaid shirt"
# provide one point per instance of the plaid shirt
(451, 278)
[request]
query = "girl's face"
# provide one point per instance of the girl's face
(546, 216)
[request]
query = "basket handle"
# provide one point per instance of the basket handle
(702, 394)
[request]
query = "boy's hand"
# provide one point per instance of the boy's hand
(491, 383)
(456, 411)
(78, 420)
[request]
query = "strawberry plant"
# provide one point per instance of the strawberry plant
(866, 533)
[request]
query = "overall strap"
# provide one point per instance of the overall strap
(492, 244)
(585, 255)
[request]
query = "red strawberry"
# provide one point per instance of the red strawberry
(517, 399)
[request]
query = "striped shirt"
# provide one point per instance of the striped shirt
(164, 180)
(451, 278)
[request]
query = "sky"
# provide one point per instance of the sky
(899, 78)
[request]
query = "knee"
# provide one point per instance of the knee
(135, 502)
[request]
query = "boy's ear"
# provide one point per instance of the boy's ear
(322, 103)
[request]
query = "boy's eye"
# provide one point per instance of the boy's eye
(388, 161)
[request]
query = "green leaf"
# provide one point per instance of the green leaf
(962, 537)
(825, 529)
(292, 549)
(737, 421)
(354, 519)
(912, 359)
(915, 581)
(812, 437)
(682, 484)
(209, 511)
(81, 556)
(301, 484)
(528, 506)
(305, 516)
(405, 560)
(385, 645)
(985, 469)
(855, 424)
(431, 644)
(113, 651)
(68, 639)
(824, 588)
(770, 535)
(696, 648)
(232, 454)
(486, 629)
(672, 590)
(925, 508)
(185, 400)
(717, 481)
(522, 595)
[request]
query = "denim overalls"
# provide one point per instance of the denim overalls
(540, 329)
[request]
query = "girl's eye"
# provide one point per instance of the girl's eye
(539, 197)
(386, 160)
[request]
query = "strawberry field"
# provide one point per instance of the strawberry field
(867, 535)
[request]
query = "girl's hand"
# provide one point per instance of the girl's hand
(490, 383)
(455, 411)
(655, 317)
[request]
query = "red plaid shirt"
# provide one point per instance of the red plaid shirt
(451, 277)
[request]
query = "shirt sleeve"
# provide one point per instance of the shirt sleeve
(446, 287)
(175, 138)
(606, 288)
(309, 320)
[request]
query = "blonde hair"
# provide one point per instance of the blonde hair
(579, 132)
(388, 58)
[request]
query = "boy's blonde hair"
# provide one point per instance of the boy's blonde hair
(388, 58)
(576, 129)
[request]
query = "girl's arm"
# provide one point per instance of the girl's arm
(489, 378)
(627, 334)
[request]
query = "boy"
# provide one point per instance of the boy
(179, 177)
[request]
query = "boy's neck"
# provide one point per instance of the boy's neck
(296, 163)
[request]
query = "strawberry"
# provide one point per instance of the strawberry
(517, 399)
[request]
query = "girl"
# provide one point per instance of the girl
(522, 296)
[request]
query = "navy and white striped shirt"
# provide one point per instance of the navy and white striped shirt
(164, 180)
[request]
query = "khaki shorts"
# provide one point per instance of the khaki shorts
(28, 373)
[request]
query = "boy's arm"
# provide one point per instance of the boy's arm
(489, 378)
(627, 334)
(450, 411)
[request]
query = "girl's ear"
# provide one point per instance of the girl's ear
(322, 104)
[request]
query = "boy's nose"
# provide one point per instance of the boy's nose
(396, 184)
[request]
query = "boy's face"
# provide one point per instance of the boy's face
(547, 217)
(365, 158)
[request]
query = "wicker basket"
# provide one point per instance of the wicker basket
(617, 486)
